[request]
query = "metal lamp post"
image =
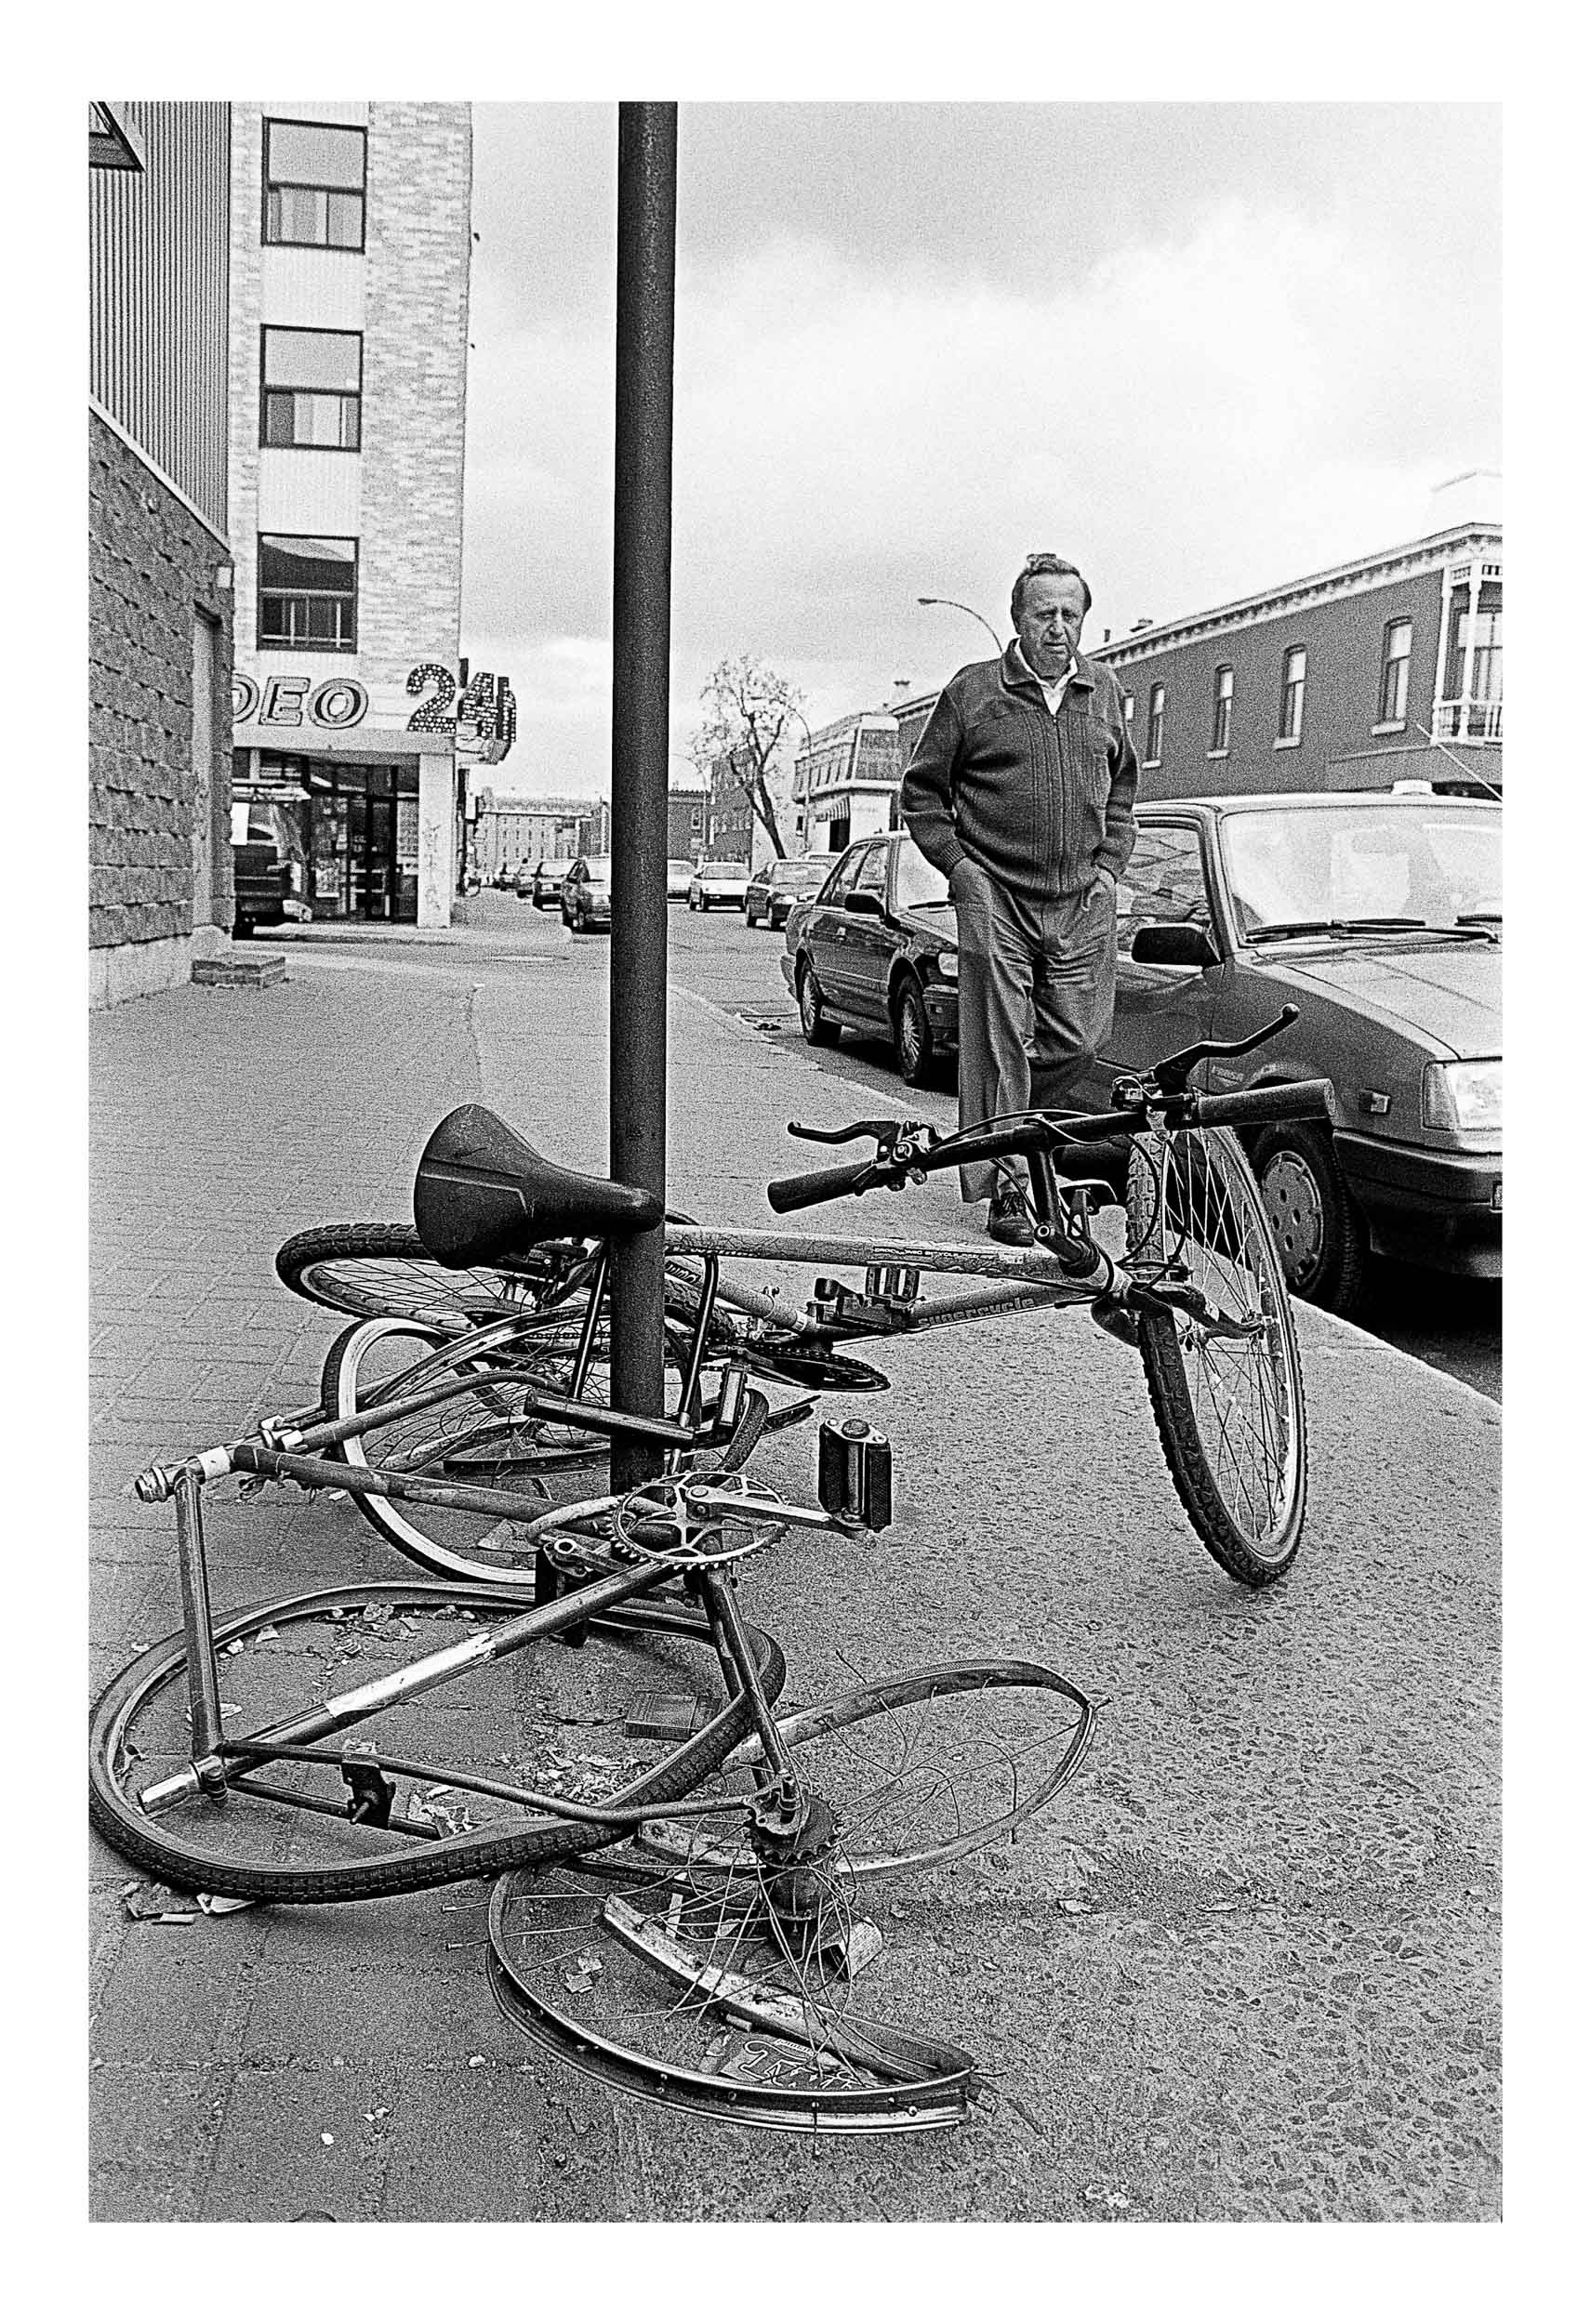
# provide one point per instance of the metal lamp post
(642, 541)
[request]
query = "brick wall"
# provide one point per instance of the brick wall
(151, 564)
(415, 334)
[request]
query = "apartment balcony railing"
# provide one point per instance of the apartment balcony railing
(1469, 722)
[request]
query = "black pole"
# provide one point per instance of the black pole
(643, 519)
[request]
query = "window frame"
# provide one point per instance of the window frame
(1289, 733)
(304, 185)
(264, 644)
(1392, 720)
(1130, 918)
(1221, 712)
(354, 396)
(1155, 734)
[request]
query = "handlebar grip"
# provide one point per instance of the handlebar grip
(810, 1186)
(1280, 1101)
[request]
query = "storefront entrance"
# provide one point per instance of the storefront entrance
(360, 826)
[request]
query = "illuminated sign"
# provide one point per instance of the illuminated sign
(478, 711)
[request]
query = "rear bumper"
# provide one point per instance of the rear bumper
(1443, 1210)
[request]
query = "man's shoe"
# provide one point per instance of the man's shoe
(1008, 1219)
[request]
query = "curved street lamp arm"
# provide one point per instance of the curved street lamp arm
(999, 643)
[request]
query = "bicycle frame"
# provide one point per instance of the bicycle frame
(219, 1763)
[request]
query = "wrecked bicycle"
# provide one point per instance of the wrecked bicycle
(682, 1870)
(505, 1277)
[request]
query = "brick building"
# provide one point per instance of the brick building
(512, 831)
(160, 606)
(1388, 668)
(350, 324)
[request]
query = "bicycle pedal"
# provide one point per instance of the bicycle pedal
(666, 1718)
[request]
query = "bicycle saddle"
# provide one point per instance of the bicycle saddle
(481, 1192)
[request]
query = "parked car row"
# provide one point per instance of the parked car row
(1377, 915)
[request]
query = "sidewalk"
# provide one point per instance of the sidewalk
(1250, 1958)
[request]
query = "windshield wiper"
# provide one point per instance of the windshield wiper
(1478, 920)
(1325, 928)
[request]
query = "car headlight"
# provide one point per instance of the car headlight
(1464, 1096)
(948, 966)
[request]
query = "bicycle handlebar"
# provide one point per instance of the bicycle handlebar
(1282, 1102)
(810, 1186)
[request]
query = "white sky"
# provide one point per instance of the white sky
(1198, 347)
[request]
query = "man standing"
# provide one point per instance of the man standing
(1021, 792)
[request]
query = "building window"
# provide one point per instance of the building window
(1397, 646)
(310, 389)
(314, 184)
(309, 593)
(1221, 722)
(1129, 703)
(1290, 724)
(1157, 726)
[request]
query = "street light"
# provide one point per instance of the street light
(999, 644)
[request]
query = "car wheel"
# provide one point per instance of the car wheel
(750, 916)
(821, 1031)
(913, 1035)
(1319, 1228)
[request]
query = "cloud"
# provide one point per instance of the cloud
(1256, 394)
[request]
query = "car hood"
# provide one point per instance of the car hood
(1452, 993)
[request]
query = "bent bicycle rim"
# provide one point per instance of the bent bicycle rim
(626, 1713)
(694, 1968)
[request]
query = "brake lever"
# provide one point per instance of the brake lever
(883, 1132)
(1170, 1077)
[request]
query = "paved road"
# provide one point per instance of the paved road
(1453, 1324)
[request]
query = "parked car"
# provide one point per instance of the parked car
(586, 898)
(680, 871)
(779, 885)
(270, 877)
(547, 879)
(1379, 916)
(503, 877)
(718, 883)
(876, 950)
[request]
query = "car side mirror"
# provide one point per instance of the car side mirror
(1174, 945)
(864, 900)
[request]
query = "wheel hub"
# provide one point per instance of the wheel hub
(1293, 1205)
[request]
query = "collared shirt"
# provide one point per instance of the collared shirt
(1052, 689)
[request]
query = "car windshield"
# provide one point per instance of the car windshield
(804, 877)
(917, 884)
(723, 871)
(1426, 863)
(599, 869)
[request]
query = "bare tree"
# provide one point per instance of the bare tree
(746, 709)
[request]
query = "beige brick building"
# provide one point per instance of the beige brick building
(350, 324)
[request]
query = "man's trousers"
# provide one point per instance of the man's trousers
(1036, 994)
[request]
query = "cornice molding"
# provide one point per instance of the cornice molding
(1415, 559)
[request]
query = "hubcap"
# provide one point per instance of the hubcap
(910, 1035)
(1297, 1220)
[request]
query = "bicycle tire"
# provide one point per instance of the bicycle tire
(374, 1267)
(1229, 1407)
(141, 1718)
(672, 1938)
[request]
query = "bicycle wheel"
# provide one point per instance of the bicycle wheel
(1227, 1399)
(376, 1269)
(719, 1968)
(481, 1434)
(504, 1765)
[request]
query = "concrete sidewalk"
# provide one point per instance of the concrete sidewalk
(1249, 1963)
